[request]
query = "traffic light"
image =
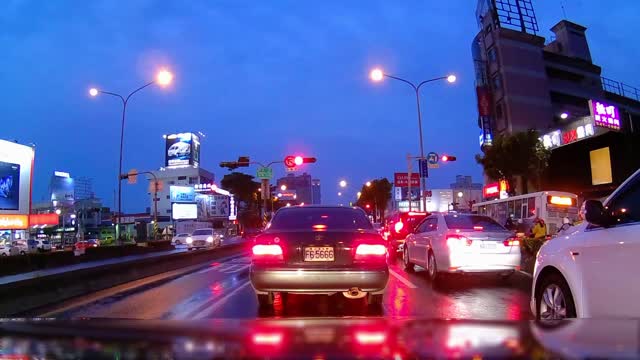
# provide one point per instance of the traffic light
(229, 165)
(243, 161)
(292, 161)
(448, 158)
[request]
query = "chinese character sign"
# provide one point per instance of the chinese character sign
(605, 115)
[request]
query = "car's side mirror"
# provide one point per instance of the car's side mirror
(595, 213)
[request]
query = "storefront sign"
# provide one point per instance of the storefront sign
(496, 190)
(605, 115)
(43, 219)
(14, 222)
(558, 138)
(182, 193)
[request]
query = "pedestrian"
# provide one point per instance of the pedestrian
(510, 224)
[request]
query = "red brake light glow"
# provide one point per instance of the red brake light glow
(366, 249)
(511, 242)
(267, 339)
(370, 338)
(414, 213)
(319, 227)
(262, 249)
(454, 241)
(398, 226)
(478, 228)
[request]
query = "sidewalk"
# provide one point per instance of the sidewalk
(86, 265)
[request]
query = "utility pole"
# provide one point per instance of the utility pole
(409, 169)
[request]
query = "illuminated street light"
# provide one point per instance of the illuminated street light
(368, 184)
(460, 194)
(376, 75)
(339, 193)
(359, 194)
(163, 78)
(564, 116)
(283, 187)
(343, 183)
(288, 204)
(58, 211)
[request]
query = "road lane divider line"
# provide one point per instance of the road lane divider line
(402, 279)
(215, 303)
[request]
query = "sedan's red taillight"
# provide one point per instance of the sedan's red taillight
(458, 241)
(267, 252)
(511, 242)
(370, 252)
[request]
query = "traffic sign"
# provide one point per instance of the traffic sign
(264, 173)
(433, 158)
(290, 161)
(424, 169)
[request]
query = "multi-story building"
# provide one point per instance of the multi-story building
(179, 176)
(83, 188)
(524, 81)
(304, 187)
(466, 192)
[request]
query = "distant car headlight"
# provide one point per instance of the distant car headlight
(210, 239)
(189, 240)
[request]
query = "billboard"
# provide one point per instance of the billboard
(182, 149)
(605, 115)
(16, 168)
(182, 193)
(402, 179)
(213, 206)
(181, 211)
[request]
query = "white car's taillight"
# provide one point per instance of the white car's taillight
(511, 242)
(458, 241)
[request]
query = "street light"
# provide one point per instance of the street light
(283, 187)
(564, 116)
(339, 193)
(359, 194)
(343, 183)
(368, 184)
(58, 211)
(378, 75)
(460, 194)
(163, 78)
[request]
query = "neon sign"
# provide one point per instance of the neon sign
(605, 115)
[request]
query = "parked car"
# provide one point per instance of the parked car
(6, 249)
(180, 239)
(42, 245)
(320, 250)
(25, 246)
(581, 273)
(85, 244)
(461, 243)
(203, 238)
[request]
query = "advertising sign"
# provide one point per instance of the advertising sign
(15, 177)
(182, 193)
(605, 115)
(496, 190)
(415, 193)
(559, 138)
(213, 206)
(182, 149)
(402, 179)
(14, 222)
(484, 101)
(180, 211)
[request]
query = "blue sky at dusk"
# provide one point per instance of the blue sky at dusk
(260, 78)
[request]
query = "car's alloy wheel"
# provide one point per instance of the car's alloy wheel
(432, 267)
(554, 300)
(408, 265)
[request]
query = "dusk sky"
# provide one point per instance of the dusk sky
(262, 79)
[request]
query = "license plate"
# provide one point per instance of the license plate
(488, 245)
(319, 253)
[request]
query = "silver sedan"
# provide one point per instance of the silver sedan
(461, 243)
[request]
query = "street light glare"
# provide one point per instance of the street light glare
(93, 91)
(283, 187)
(164, 77)
(564, 115)
(343, 183)
(58, 211)
(298, 160)
(452, 78)
(376, 75)
(368, 183)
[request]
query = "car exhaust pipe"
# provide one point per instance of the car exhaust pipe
(354, 293)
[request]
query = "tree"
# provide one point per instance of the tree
(514, 155)
(377, 196)
(243, 188)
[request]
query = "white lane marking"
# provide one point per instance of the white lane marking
(402, 279)
(235, 269)
(215, 304)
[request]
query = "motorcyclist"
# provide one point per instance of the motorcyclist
(539, 229)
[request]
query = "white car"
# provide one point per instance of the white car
(6, 249)
(42, 245)
(589, 270)
(461, 243)
(179, 149)
(180, 239)
(25, 246)
(203, 238)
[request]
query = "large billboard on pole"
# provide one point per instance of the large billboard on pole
(16, 169)
(182, 149)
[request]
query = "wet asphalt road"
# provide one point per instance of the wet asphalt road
(221, 289)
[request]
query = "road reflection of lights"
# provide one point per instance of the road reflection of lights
(210, 346)
(188, 346)
(397, 356)
(474, 336)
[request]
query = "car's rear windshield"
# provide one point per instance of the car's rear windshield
(472, 222)
(203, 232)
(183, 235)
(321, 219)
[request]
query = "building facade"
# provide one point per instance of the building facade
(524, 81)
(465, 192)
(307, 190)
(181, 176)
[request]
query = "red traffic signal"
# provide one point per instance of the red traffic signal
(293, 161)
(446, 158)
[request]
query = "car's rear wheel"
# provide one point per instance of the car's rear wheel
(554, 300)
(4, 254)
(265, 300)
(408, 265)
(432, 267)
(23, 253)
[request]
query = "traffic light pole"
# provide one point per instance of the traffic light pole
(155, 197)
